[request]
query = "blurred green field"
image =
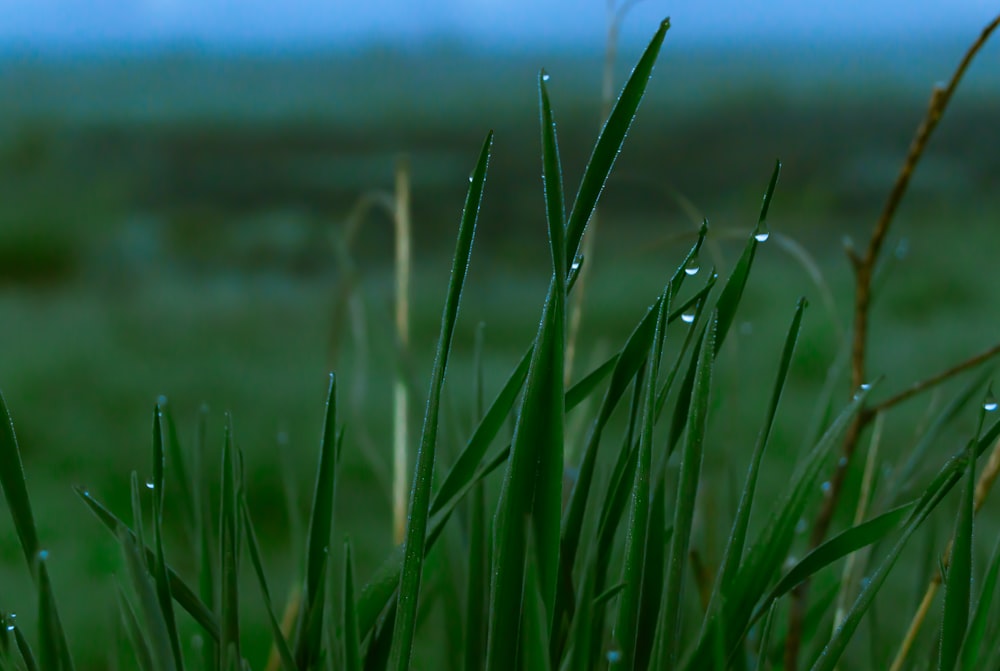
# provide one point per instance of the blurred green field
(167, 226)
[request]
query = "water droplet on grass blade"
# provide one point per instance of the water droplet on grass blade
(990, 404)
(762, 233)
(825, 487)
(43, 555)
(687, 317)
(150, 484)
(614, 656)
(545, 76)
(692, 267)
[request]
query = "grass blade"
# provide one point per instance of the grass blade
(53, 649)
(181, 592)
(610, 142)
(977, 627)
(958, 582)
(15, 488)
(143, 657)
(625, 633)
(229, 641)
(307, 645)
(477, 589)
(420, 496)
(155, 626)
(352, 644)
(535, 651)
(687, 489)
(159, 573)
(281, 644)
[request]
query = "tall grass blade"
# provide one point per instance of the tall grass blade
(281, 644)
(15, 488)
(178, 468)
(229, 603)
(24, 648)
(531, 494)
(159, 567)
(136, 637)
(181, 592)
(973, 644)
(307, 646)
(610, 142)
(535, 650)
(687, 490)
(420, 495)
(625, 633)
(155, 627)
(477, 588)
(733, 553)
(53, 648)
(958, 582)
(352, 644)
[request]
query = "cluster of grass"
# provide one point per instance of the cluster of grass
(604, 574)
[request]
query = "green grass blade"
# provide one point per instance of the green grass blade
(15, 488)
(535, 650)
(977, 628)
(834, 649)
(626, 626)
(687, 490)
(552, 180)
(178, 469)
(477, 587)
(24, 648)
(841, 545)
(765, 639)
(420, 495)
(155, 627)
(229, 604)
(181, 592)
(159, 572)
(733, 553)
(657, 542)
(610, 142)
(958, 582)
(308, 647)
(531, 494)
(352, 644)
(588, 385)
(53, 648)
(284, 651)
(133, 630)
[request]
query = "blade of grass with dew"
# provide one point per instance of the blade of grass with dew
(24, 648)
(178, 469)
(53, 648)
(727, 304)
(531, 493)
(229, 605)
(352, 644)
(657, 542)
(307, 646)
(958, 581)
(609, 143)
(159, 567)
(181, 592)
(15, 488)
(285, 654)
(133, 630)
(155, 628)
(766, 555)
(420, 496)
(626, 625)
(733, 553)
(973, 644)
(687, 490)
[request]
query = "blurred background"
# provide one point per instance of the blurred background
(176, 177)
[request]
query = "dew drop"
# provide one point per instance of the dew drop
(545, 76)
(990, 402)
(150, 484)
(614, 656)
(762, 233)
(825, 487)
(692, 267)
(801, 526)
(687, 317)
(470, 179)
(43, 555)
(575, 267)
(866, 386)
(10, 627)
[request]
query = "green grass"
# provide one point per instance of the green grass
(675, 548)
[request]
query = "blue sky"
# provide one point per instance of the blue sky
(270, 24)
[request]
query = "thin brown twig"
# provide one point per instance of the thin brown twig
(864, 268)
(928, 383)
